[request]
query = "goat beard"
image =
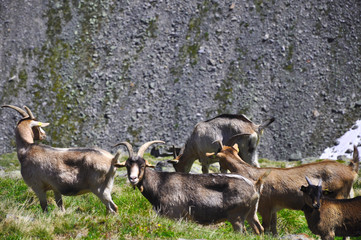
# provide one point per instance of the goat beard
(140, 187)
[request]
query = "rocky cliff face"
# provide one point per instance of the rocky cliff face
(105, 71)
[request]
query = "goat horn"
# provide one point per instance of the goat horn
(308, 181)
(29, 112)
(174, 152)
(173, 161)
(219, 142)
(19, 110)
(129, 148)
(234, 138)
(145, 146)
(266, 124)
(320, 183)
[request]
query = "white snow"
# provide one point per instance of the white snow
(345, 142)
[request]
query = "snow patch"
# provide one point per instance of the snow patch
(344, 144)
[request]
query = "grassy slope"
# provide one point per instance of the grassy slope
(86, 218)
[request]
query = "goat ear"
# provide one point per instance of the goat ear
(320, 183)
(119, 165)
(303, 188)
(210, 154)
(147, 164)
(38, 124)
(235, 146)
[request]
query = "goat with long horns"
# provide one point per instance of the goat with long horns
(66, 171)
(204, 198)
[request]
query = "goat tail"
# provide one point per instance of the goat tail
(260, 181)
(116, 157)
(354, 164)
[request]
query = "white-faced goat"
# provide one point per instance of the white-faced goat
(204, 198)
(331, 217)
(281, 187)
(66, 171)
(221, 128)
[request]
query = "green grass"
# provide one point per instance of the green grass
(85, 216)
(9, 161)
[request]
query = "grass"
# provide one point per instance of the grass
(9, 161)
(85, 216)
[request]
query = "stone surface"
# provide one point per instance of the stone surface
(109, 71)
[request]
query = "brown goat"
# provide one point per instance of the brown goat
(204, 198)
(66, 171)
(331, 217)
(281, 187)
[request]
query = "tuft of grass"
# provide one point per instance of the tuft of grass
(9, 161)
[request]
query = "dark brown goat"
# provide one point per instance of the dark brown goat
(281, 187)
(204, 198)
(331, 217)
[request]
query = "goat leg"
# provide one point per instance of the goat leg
(41, 194)
(274, 223)
(59, 200)
(106, 199)
(253, 221)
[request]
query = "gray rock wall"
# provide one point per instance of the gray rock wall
(107, 71)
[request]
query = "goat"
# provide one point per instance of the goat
(66, 171)
(331, 217)
(221, 128)
(204, 198)
(281, 187)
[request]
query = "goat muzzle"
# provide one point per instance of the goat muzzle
(133, 180)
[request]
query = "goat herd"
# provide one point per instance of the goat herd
(205, 198)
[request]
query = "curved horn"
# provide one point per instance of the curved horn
(219, 142)
(234, 138)
(266, 124)
(174, 152)
(29, 112)
(145, 146)
(320, 182)
(309, 181)
(19, 110)
(129, 148)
